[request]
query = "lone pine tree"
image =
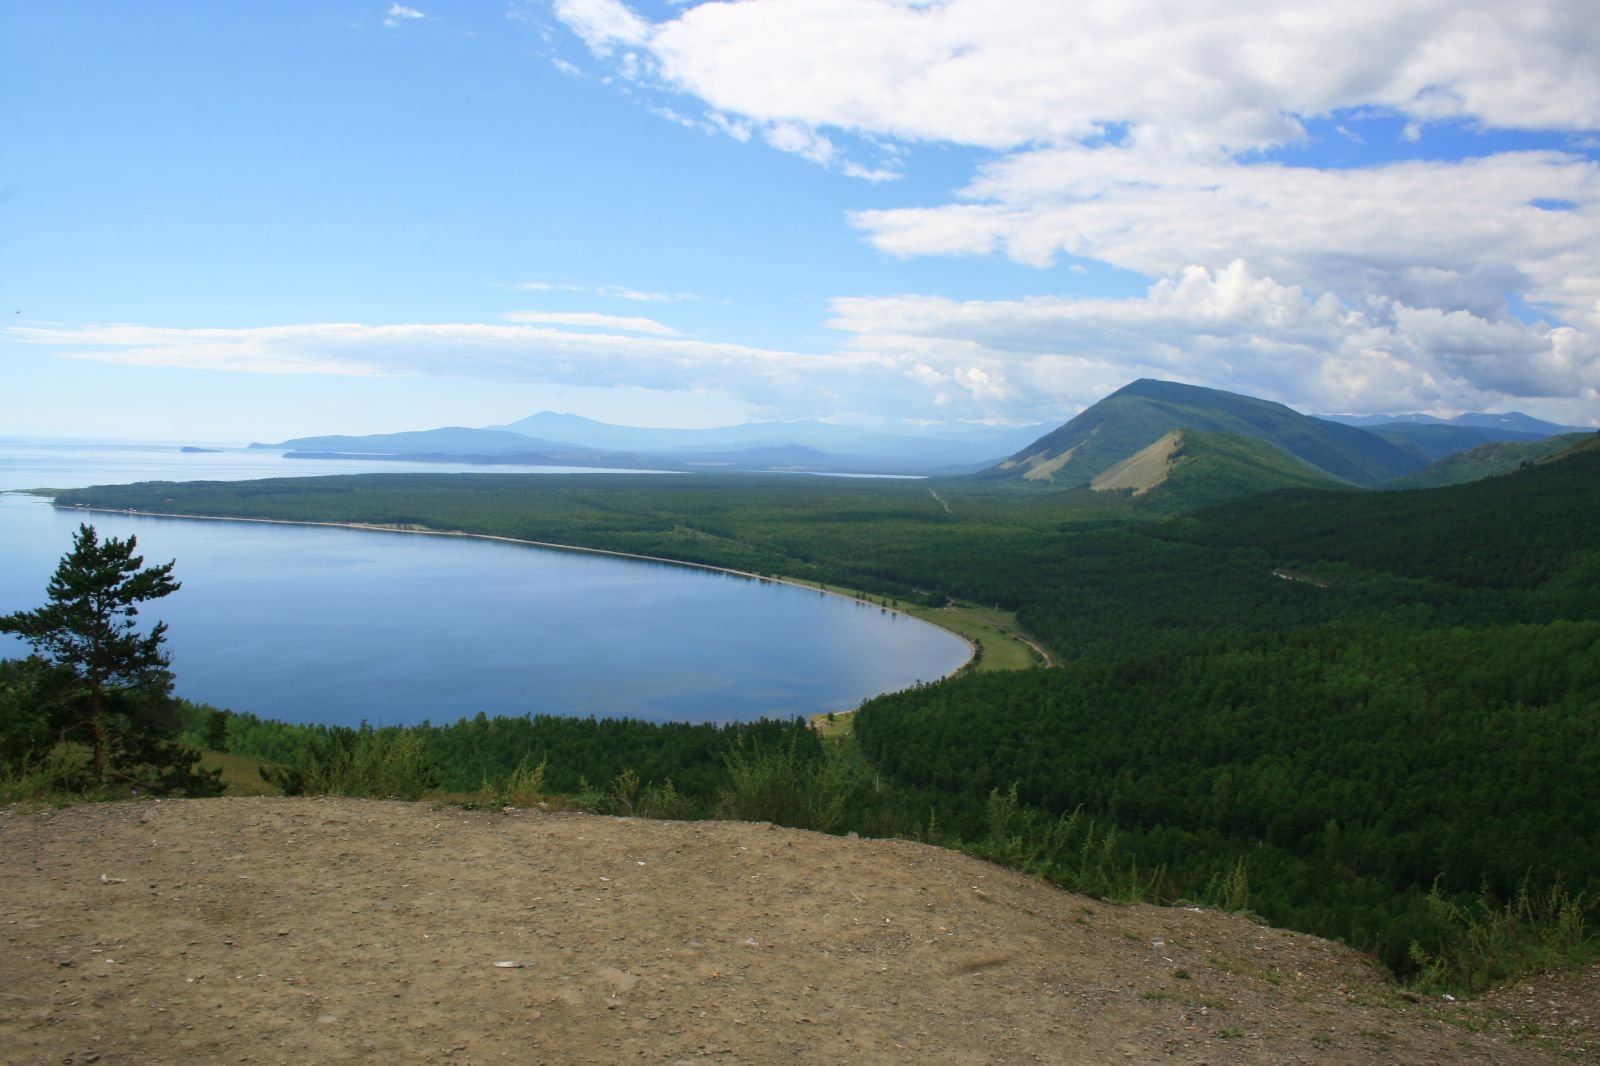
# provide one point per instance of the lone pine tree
(112, 683)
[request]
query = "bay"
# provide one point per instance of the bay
(339, 626)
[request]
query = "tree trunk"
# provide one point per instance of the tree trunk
(97, 725)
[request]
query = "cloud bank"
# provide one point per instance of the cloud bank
(1186, 144)
(1035, 359)
(1174, 140)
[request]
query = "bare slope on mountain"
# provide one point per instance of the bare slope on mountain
(1143, 470)
(1139, 414)
(1187, 468)
(327, 930)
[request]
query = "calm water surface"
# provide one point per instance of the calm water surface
(313, 624)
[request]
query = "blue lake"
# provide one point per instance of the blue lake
(317, 624)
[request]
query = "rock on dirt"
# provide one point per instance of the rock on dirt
(330, 930)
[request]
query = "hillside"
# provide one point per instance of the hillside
(1187, 468)
(1139, 414)
(346, 931)
(1486, 460)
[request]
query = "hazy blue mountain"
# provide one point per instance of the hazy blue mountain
(1137, 415)
(449, 439)
(1433, 441)
(929, 448)
(576, 441)
(456, 444)
(1509, 422)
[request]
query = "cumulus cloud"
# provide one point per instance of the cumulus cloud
(1232, 329)
(1470, 230)
(1034, 359)
(1006, 73)
(1140, 135)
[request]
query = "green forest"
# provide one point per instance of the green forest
(1367, 715)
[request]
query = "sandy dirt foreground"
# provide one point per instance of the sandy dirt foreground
(328, 930)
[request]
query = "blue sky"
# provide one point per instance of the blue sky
(229, 222)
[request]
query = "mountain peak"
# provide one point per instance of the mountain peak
(1144, 411)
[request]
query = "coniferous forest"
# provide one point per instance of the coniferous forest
(1359, 714)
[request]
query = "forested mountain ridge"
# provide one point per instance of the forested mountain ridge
(1365, 697)
(1138, 414)
(1487, 460)
(1433, 441)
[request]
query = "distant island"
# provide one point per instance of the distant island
(192, 449)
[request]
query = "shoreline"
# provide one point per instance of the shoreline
(373, 527)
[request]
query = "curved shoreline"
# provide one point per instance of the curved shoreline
(374, 527)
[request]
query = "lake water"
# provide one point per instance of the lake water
(317, 624)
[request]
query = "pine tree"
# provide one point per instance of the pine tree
(117, 680)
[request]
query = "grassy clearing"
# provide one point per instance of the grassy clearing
(835, 724)
(991, 629)
(240, 773)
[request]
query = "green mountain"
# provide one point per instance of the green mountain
(1489, 460)
(1137, 415)
(1188, 468)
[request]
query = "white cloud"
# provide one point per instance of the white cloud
(604, 25)
(1007, 73)
(399, 15)
(1040, 358)
(620, 292)
(1131, 134)
(1375, 229)
(801, 140)
(590, 319)
(1232, 329)
(512, 352)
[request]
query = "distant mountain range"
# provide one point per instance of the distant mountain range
(1181, 444)
(1189, 445)
(1510, 422)
(569, 440)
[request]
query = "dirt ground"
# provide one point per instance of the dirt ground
(326, 930)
